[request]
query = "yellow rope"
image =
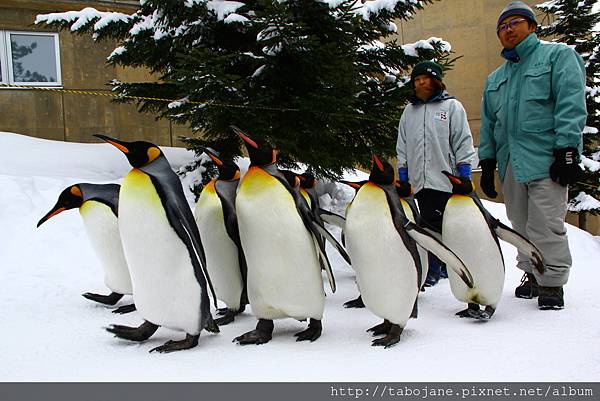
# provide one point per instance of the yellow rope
(158, 99)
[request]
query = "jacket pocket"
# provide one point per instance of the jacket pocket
(538, 126)
(494, 94)
(537, 83)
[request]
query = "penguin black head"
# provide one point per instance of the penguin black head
(260, 151)
(70, 198)
(382, 172)
(460, 186)
(139, 153)
(307, 180)
(228, 170)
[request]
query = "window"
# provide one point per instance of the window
(29, 58)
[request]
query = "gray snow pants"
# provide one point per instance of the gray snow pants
(537, 210)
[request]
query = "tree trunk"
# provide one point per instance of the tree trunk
(583, 220)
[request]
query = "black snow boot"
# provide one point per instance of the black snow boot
(529, 287)
(551, 298)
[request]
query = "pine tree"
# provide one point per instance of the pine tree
(320, 79)
(573, 22)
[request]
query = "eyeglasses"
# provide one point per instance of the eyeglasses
(512, 24)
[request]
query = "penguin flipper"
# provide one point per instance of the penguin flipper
(227, 198)
(511, 236)
(332, 218)
(318, 229)
(524, 246)
(446, 255)
(182, 220)
(324, 262)
(311, 222)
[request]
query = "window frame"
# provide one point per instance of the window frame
(3, 59)
(8, 61)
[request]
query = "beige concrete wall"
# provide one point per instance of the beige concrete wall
(74, 117)
(470, 26)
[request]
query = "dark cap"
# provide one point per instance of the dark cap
(517, 8)
(431, 68)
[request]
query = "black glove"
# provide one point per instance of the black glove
(403, 188)
(488, 167)
(565, 170)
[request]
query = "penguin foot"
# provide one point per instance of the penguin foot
(226, 319)
(261, 335)
(355, 303)
(121, 310)
(171, 346)
(312, 332)
(471, 309)
(141, 333)
(110, 299)
(390, 339)
(483, 315)
(383, 328)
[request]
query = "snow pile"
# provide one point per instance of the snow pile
(583, 202)
(53, 334)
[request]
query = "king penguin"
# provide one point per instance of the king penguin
(278, 233)
(467, 222)
(218, 226)
(163, 250)
(97, 204)
(382, 243)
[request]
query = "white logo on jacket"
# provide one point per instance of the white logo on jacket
(441, 116)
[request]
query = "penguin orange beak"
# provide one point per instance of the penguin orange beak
(453, 179)
(355, 185)
(50, 214)
(115, 142)
(377, 162)
(244, 137)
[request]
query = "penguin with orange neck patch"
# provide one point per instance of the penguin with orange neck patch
(217, 222)
(382, 243)
(163, 250)
(98, 204)
(467, 222)
(278, 233)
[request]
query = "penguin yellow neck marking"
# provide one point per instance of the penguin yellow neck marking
(256, 178)
(305, 195)
(153, 153)
(210, 188)
(76, 191)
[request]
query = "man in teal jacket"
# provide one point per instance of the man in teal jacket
(532, 117)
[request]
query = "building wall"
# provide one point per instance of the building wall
(72, 117)
(470, 26)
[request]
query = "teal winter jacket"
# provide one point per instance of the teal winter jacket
(532, 107)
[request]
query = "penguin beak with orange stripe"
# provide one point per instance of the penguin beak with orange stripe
(228, 170)
(139, 153)
(355, 185)
(460, 185)
(382, 172)
(70, 198)
(260, 151)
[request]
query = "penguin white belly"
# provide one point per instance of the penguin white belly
(466, 232)
(284, 276)
(221, 252)
(165, 289)
(102, 228)
(385, 270)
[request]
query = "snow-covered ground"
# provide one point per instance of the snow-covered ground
(51, 333)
